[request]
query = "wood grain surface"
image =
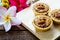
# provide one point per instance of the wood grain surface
(17, 34)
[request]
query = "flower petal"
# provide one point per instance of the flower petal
(19, 9)
(1, 21)
(12, 11)
(0, 1)
(0, 4)
(12, 4)
(7, 26)
(22, 1)
(15, 21)
(2, 11)
(11, 1)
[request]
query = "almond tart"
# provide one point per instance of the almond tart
(41, 8)
(42, 23)
(55, 15)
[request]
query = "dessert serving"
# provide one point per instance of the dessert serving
(42, 23)
(41, 8)
(55, 15)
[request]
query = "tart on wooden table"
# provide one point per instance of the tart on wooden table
(55, 15)
(41, 8)
(42, 23)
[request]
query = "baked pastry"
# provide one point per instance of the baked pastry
(55, 15)
(42, 23)
(41, 8)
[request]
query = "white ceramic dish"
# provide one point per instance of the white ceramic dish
(27, 17)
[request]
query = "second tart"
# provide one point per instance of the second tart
(42, 23)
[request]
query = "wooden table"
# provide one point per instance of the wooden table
(17, 34)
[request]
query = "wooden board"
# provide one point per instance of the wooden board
(1, 27)
(17, 35)
(27, 17)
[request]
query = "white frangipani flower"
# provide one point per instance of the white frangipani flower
(8, 17)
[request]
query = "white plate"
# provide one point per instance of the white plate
(27, 17)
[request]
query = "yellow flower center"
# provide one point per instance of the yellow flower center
(7, 18)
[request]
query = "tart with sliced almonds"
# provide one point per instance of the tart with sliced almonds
(55, 15)
(42, 23)
(41, 8)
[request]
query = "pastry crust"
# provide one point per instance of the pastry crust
(55, 15)
(48, 21)
(41, 8)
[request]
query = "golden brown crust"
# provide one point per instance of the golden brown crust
(55, 15)
(41, 8)
(45, 20)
